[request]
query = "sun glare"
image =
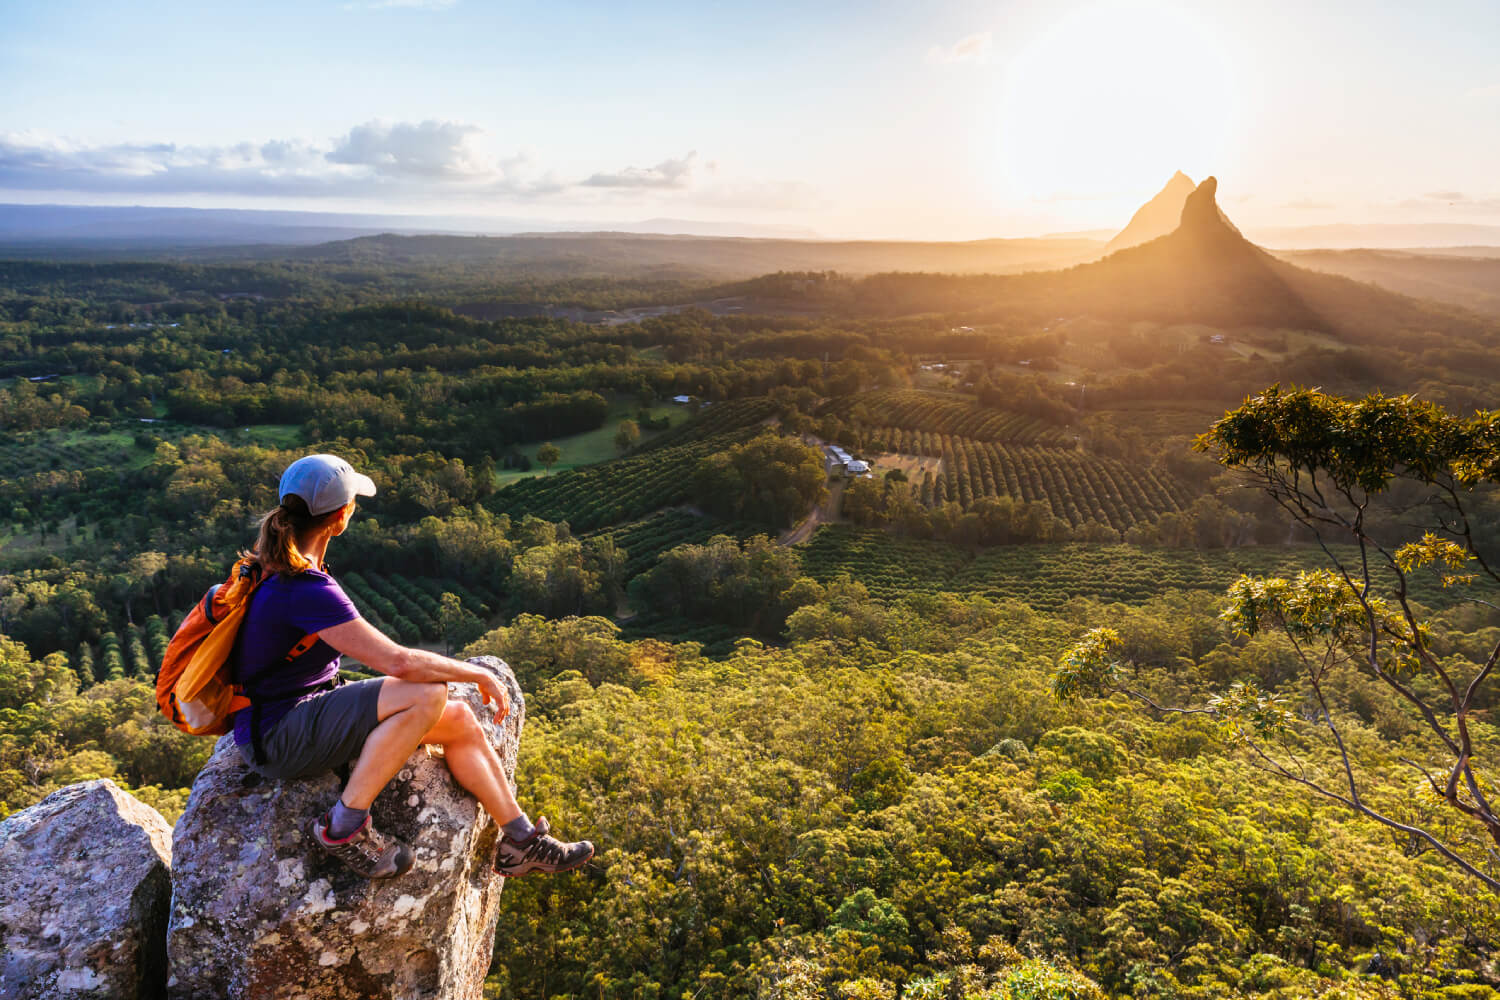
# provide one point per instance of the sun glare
(1111, 99)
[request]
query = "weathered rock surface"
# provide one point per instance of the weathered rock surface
(84, 889)
(260, 912)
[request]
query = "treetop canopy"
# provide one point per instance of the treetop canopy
(1361, 443)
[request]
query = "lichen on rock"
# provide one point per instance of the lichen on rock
(84, 890)
(259, 911)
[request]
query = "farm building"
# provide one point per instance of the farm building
(840, 460)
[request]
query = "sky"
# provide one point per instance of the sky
(933, 120)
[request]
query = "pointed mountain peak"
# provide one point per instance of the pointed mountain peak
(1201, 206)
(1201, 212)
(1157, 217)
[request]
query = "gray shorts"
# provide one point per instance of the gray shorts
(320, 734)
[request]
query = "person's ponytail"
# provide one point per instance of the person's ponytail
(276, 546)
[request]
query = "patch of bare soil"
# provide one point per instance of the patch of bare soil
(915, 466)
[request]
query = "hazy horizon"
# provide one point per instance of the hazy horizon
(955, 121)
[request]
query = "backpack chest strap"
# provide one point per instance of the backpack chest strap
(301, 646)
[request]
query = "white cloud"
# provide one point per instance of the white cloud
(373, 158)
(430, 149)
(396, 162)
(676, 173)
(29, 162)
(1493, 90)
(973, 48)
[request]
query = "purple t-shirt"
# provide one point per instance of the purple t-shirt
(283, 610)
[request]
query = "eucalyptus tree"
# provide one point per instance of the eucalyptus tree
(1390, 487)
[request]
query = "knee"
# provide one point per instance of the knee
(464, 720)
(431, 699)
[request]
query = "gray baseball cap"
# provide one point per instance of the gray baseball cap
(324, 482)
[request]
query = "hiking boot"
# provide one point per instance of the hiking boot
(366, 851)
(539, 853)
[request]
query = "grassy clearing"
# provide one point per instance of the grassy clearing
(81, 448)
(267, 435)
(17, 540)
(593, 447)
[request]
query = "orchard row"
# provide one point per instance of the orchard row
(1078, 486)
(912, 409)
(644, 540)
(598, 495)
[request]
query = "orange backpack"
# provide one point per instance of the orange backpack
(194, 688)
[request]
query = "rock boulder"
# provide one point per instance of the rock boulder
(259, 911)
(85, 885)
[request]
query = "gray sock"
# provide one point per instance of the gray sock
(343, 821)
(519, 828)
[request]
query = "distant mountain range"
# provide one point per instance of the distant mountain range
(1226, 268)
(1202, 272)
(1468, 280)
(1379, 236)
(127, 227)
(122, 230)
(567, 255)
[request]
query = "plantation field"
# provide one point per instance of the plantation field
(1047, 576)
(407, 607)
(1078, 486)
(654, 534)
(714, 419)
(591, 497)
(1158, 419)
(717, 639)
(595, 446)
(909, 409)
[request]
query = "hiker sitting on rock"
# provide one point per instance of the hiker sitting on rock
(303, 721)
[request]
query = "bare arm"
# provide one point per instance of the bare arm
(368, 645)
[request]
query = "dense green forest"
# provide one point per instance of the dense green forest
(991, 719)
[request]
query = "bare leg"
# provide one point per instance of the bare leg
(407, 711)
(473, 761)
